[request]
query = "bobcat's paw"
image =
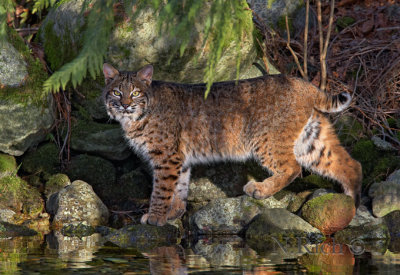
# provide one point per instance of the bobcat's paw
(178, 208)
(153, 219)
(256, 190)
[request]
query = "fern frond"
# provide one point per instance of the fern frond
(99, 24)
(41, 5)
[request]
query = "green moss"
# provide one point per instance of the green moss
(8, 165)
(345, 21)
(145, 236)
(42, 161)
(80, 230)
(32, 90)
(18, 195)
(375, 164)
(55, 183)
(58, 51)
(349, 130)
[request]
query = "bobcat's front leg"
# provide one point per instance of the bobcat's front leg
(165, 179)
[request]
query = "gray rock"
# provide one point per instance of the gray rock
(392, 220)
(101, 139)
(395, 176)
(364, 216)
(75, 204)
(7, 215)
(130, 49)
(230, 215)
(271, 14)
(280, 223)
(13, 68)
(221, 180)
(382, 144)
(26, 127)
(385, 197)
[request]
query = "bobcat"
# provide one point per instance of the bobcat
(278, 120)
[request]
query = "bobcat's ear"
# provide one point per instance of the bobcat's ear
(109, 72)
(146, 74)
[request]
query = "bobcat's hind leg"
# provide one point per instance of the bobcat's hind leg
(282, 164)
(319, 150)
(178, 205)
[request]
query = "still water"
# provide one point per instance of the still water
(57, 254)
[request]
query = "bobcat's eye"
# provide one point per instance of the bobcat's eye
(135, 92)
(116, 92)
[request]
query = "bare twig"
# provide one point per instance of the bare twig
(323, 46)
(306, 41)
(291, 50)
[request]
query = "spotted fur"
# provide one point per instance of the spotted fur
(277, 120)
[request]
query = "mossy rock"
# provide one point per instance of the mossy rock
(8, 230)
(135, 184)
(329, 213)
(106, 140)
(43, 161)
(55, 183)
(17, 195)
(79, 230)
(145, 236)
(96, 171)
(8, 165)
(32, 88)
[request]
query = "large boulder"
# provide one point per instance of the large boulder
(27, 125)
(77, 204)
(136, 42)
(231, 215)
(43, 161)
(21, 94)
(329, 213)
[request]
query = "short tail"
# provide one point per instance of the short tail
(332, 104)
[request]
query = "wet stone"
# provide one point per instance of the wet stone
(144, 236)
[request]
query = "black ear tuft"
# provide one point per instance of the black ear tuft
(146, 74)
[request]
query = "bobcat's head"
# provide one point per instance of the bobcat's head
(125, 94)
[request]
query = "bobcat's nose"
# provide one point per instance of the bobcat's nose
(125, 106)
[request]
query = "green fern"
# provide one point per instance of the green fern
(90, 58)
